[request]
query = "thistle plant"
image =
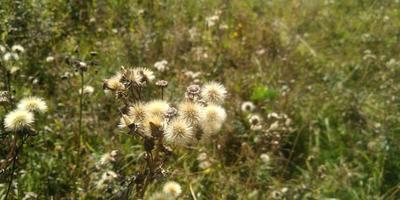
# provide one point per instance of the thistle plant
(163, 126)
(19, 125)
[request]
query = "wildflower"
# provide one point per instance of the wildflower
(49, 59)
(161, 65)
(33, 104)
(171, 112)
(173, 188)
(212, 119)
(162, 83)
(190, 111)
(18, 48)
(18, 119)
(114, 83)
(248, 106)
(87, 90)
(8, 56)
(213, 92)
(255, 122)
(2, 49)
(265, 158)
(202, 156)
(157, 108)
(146, 75)
(205, 164)
(137, 112)
(178, 132)
(192, 92)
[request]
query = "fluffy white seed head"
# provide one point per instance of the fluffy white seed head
(190, 111)
(18, 48)
(178, 132)
(114, 82)
(248, 106)
(255, 122)
(213, 92)
(173, 188)
(156, 108)
(18, 119)
(87, 90)
(33, 104)
(212, 119)
(137, 112)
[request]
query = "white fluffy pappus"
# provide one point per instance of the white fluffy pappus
(156, 108)
(213, 92)
(190, 111)
(173, 188)
(178, 132)
(212, 119)
(18, 119)
(33, 104)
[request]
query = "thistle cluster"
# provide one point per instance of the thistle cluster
(23, 116)
(162, 124)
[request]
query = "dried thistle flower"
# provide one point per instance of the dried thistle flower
(248, 106)
(190, 111)
(137, 112)
(161, 65)
(171, 112)
(18, 48)
(157, 108)
(173, 188)
(4, 98)
(193, 92)
(114, 83)
(213, 92)
(255, 122)
(18, 119)
(178, 132)
(87, 90)
(212, 119)
(33, 104)
(162, 83)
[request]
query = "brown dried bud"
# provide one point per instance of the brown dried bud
(148, 144)
(171, 112)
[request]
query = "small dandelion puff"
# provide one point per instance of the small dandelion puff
(161, 65)
(18, 119)
(49, 59)
(137, 112)
(255, 122)
(173, 188)
(87, 90)
(157, 108)
(178, 132)
(33, 104)
(212, 119)
(265, 158)
(2, 49)
(190, 111)
(248, 106)
(213, 92)
(18, 48)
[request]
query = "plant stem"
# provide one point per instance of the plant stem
(79, 137)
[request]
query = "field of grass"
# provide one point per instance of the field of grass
(323, 77)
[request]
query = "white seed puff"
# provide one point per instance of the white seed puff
(173, 188)
(212, 119)
(18, 119)
(33, 104)
(190, 111)
(213, 92)
(178, 132)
